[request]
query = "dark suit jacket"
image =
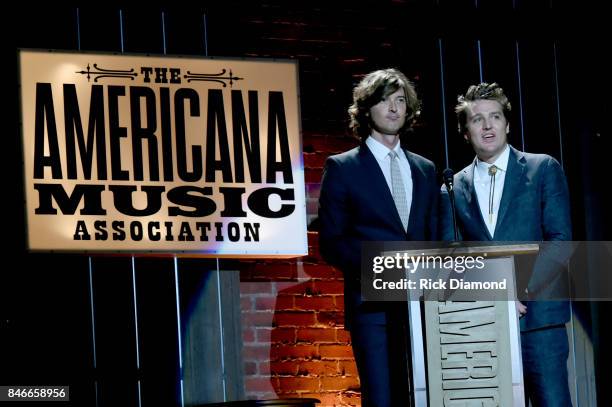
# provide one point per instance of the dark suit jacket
(356, 205)
(534, 207)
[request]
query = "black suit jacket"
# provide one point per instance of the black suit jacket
(356, 205)
(534, 207)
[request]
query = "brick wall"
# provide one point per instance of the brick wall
(294, 341)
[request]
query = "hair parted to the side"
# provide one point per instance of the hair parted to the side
(486, 91)
(371, 90)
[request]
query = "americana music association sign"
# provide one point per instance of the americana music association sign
(134, 153)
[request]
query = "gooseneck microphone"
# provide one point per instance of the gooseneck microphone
(447, 175)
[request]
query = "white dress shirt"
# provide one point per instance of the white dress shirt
(381, 153)
(482, 185)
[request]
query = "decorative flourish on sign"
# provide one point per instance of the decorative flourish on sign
(98, 73)
(216, 77)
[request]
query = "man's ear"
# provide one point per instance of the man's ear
(507, 128)
(465, 137)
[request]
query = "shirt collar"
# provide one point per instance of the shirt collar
(481, 171)
(379, 150)
(501, 162)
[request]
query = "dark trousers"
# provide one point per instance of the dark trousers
(545, 353)
(381, 351)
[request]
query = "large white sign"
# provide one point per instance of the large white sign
(135, 153)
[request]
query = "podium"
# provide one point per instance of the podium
(472, 346)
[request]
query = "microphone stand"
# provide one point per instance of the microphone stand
(448, 181)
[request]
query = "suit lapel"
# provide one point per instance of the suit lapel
(374, 180)
(514, 176)
(469, 192)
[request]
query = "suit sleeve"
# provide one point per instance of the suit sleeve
(337, 246)
(551, 263)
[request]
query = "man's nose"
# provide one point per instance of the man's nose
(486, 124)
(392, 105)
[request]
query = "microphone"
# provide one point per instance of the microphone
(447, 175)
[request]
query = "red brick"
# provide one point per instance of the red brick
(339, 383)
(350, 398)
(323, 271)
(274, 303)
(347, 368)
(328, 287)
(262, 335)
(265, 303)
(282, 335)
(246, 303)
(256, 288)
(264, 368)
(276, 270)
(304, 288)
(293, 384)
(284, 352)
(313, 175)
(284, 302)
(258, 318)
(343, 336)
(314, 160)
(315, 303)
(289, 368)
(294, 318)
(318, 368)
(326, 399)
(259, 384)
(330, 319)
(250, 368)
(312, 335)
(336, 352)
(256, 353)
(248, 335)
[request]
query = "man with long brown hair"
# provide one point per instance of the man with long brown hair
(378, 191)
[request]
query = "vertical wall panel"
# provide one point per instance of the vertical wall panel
(142, 30)
(212, 337)
(100, 29)
(157, 331)
(185, 31)
(115, 323)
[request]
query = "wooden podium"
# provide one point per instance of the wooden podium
(472, 345)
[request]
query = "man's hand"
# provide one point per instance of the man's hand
(521, 308)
